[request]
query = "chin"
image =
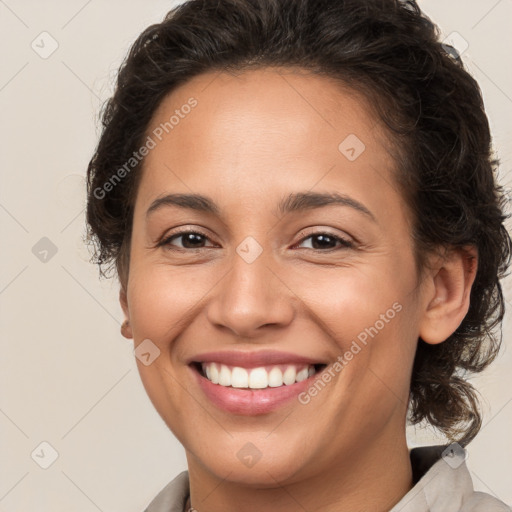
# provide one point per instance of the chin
(253, 467)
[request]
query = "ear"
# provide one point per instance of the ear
(448, 298)
(126, 329)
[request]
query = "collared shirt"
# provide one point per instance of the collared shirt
(442, 483)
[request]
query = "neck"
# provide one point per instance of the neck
(374, 479)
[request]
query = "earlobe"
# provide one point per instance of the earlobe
(126, 329)
(448, 305)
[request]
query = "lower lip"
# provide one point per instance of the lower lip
(251, 402)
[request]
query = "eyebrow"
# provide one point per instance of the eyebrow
(294, 202)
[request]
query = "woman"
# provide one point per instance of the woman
(298, 197)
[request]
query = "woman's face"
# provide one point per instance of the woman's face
(276, 277)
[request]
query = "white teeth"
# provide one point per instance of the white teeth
(289, 375)
(302, 375)
(214, 374)
(224, 376)
(256, 378)
(239, 378)
(275, 377)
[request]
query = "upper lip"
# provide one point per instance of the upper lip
(253, 359)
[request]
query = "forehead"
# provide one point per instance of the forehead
(265, 128)
(268, 102)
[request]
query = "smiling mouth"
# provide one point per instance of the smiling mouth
(258, 378)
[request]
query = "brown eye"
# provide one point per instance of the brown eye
(326, 241)
(190, 240)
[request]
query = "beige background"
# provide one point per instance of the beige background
(68, 378)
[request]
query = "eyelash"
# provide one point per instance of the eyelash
(345, 244)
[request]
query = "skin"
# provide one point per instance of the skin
(251, 140)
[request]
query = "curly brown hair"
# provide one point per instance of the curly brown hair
(431, 106)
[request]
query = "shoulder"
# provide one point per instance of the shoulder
(483, 502)
(442, 483)
(172, 497)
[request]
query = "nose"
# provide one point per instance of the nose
(251, 296)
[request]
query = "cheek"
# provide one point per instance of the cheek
(351, 302)
(370, 316)
(163, 299)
